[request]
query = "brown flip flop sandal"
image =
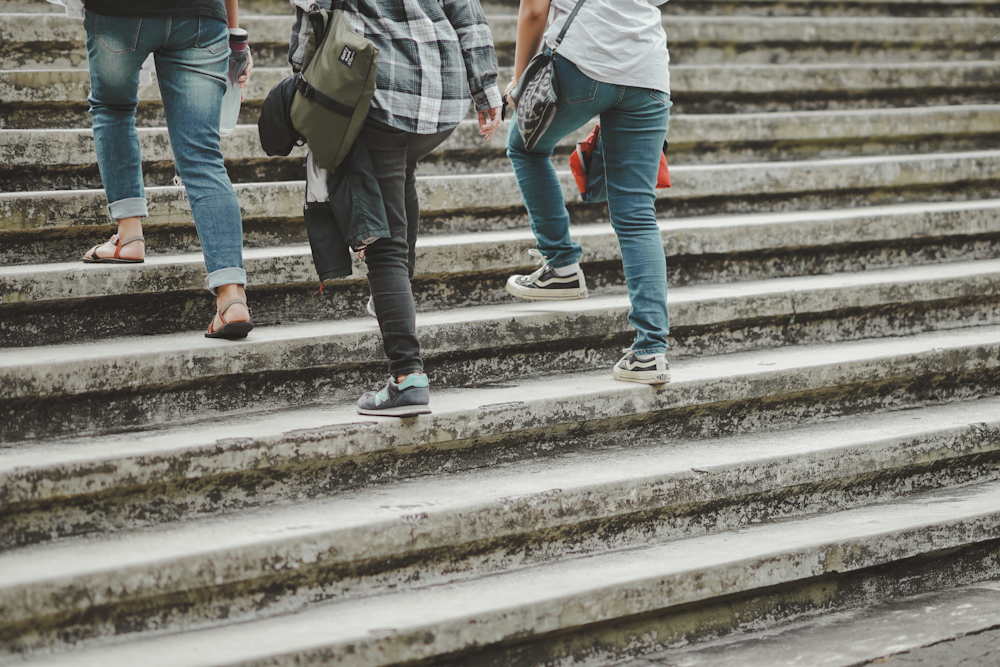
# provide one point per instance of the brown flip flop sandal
(229, 330)
(115, 259)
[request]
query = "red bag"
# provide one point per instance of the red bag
(663, 175)
(587, 164)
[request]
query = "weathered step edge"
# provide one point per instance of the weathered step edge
(445, 195)
(543, 406)
(130, 391)
(71, 87)
(75, 148)
(517, 607)
(591, 518)
(438, 255)
(132, 364)
(33, 41)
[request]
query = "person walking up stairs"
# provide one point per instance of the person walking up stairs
(629, 88)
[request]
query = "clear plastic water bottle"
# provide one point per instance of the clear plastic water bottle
(237, 64)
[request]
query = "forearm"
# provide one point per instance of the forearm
(476, 41)
(532, 17)
(233, 13)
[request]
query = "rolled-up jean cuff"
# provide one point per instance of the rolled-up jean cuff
(229, 276)
(646, 353)
(133, 207)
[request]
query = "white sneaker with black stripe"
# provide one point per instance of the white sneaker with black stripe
(545, 285)
(646, 368)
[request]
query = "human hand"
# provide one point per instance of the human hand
(247, 68)
(489, 123)
(506, 92)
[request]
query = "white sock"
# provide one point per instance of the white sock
(568, 270)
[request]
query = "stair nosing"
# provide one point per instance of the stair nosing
(560, 595)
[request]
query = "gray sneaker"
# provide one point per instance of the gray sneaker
(545, 285)
(406, 399)
(645, 368)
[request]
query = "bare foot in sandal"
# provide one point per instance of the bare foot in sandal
(232, 315)
(125, 247)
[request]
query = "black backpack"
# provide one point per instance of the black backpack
(277, 135)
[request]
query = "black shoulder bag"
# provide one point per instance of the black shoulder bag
(535, 114)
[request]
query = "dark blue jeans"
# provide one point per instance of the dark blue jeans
(191, 62)
(633, 126)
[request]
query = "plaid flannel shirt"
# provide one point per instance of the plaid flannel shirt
(432, 55)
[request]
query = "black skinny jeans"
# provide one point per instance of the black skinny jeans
(391, 261)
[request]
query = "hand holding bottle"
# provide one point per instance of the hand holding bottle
(240, 60)
(240, 64)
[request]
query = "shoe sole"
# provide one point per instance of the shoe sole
(232, 331)
(643, 377)
(401, 411)
(111, 260)
(545, 295)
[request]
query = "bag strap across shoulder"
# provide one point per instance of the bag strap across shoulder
(569, 19)
(310, 92)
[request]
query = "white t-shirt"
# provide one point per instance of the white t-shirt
(620, 42)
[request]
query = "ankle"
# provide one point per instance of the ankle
(568, 270)
(129, 227)
(229, 292)
(225, 295)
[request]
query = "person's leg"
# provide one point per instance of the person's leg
(633, 132)
(418, 146)
(116, 49)
(390, 265)
(191, 69)
(580, 98)
(389, 259)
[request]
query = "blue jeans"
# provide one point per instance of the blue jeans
(633, 126)
(192, 55)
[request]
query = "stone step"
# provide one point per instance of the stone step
(831, 8)
(936, 629)
(165, 294)
(65, 159)
(464, 254)
(31, 41)
(235, 461)
(452, 204)
(250, 7)
(874, 8)
(504, 517)
(123, 383)
(795, 40)
(620, 595)
(57, 97)
(705, 40)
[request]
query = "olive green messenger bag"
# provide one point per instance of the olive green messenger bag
(334, 89)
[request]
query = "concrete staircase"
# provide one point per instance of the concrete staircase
(831, 439)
